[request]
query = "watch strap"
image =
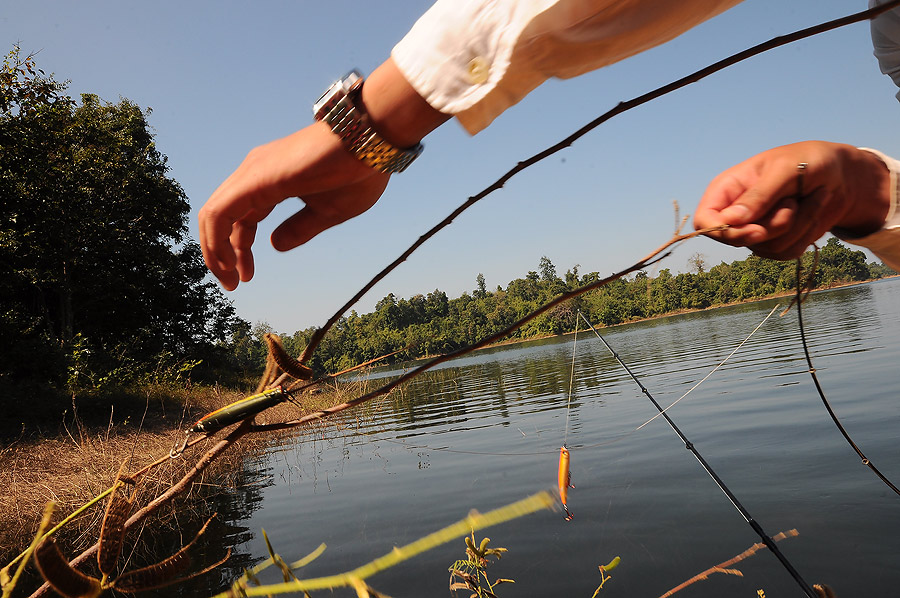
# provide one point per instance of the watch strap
(349, 121)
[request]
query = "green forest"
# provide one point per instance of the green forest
(100, 286)
(433, 323)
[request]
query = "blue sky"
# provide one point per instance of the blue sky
(223, 77)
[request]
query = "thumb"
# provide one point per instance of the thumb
(759, 199)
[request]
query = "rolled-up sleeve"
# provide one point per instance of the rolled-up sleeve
(476, 58)
(886, 41)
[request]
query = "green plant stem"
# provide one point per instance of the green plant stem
(475, 521)
(60, 525)
(45, 522)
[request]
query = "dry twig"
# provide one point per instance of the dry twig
(568, 141)
(724, 566)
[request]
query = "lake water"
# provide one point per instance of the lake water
(485, 430)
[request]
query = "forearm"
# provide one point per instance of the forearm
(399, 114)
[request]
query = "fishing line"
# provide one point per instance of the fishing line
(568, 404)
(711, 372)
(767, 540)
(834, 418)
(465, 452)
(564, 475)
(571, 378)
(493, 454)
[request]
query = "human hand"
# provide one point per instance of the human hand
(310, 164)
(313, 165)
(777, 212)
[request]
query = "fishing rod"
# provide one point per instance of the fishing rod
(620, 108)
(834, 417)
(766, 539)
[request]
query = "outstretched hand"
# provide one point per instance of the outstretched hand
(777, 209)
(310, 164)
(313, 165)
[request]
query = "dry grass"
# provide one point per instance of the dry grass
(80, 461)
(74, 464)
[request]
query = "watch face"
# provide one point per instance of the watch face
(336, 93)
(325, 103)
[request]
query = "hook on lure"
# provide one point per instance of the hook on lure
(233, 413)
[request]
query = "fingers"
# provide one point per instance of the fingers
(774, 208)
(328, 209)
(218, 252)
(243, 233)
(227, 230)
(803, 228)
(775, 223)
(752, 192)
(763, 200)
(311, 164)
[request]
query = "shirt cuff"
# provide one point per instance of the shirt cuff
(459, 51)
(885, 243)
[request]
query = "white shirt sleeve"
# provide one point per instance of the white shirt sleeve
(476, 58)
(885, 30)
(884, 243)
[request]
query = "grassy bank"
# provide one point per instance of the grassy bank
(75, 458)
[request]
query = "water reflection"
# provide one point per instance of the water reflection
(484, 430)
(233, 503)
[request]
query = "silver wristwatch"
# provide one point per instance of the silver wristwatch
(339, 107)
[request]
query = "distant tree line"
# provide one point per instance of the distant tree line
(433, 323)
(100, 285)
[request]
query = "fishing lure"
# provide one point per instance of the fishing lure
(565, 480)
(241, 409)
(233, 413)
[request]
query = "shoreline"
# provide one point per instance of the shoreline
(33, 473)
(674, 313)
(72, 464)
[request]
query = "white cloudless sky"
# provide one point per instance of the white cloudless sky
(223, 77)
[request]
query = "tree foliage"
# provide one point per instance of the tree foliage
(433, 324)
(99, 281)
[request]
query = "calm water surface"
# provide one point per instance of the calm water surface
(485, 430)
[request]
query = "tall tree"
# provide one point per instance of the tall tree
(94, 254)
(481, 287)
(548, 270)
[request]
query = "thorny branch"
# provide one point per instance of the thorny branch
(724, 567)
(619, 109)
(247, 427)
